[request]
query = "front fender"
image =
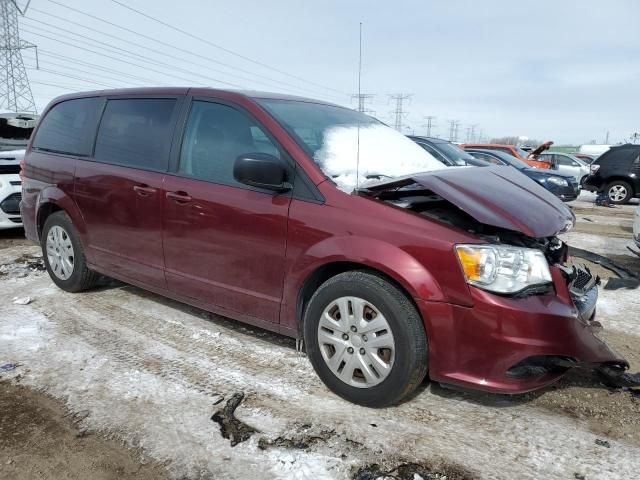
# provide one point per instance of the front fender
(368, 252)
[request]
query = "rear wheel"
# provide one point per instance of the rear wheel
(63, 254)
(365, 339)
(619, 192)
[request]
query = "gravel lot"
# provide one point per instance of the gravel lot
(121, 383)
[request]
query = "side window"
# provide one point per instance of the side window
(136, 132)
(214, 137)
(487, 158)
(562, 160)
(69, 127)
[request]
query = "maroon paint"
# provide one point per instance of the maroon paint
(247, 254)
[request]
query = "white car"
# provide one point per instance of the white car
(10, 188)
(568, 164)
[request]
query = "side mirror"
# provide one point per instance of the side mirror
(261, 170)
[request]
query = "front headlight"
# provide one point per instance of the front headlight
(503, 269)
(561, 182)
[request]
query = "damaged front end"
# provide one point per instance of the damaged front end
(551, 324)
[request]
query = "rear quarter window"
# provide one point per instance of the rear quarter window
(69, 127)
(136, 132)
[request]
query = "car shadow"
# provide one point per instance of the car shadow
(577, 377)
(274, 338)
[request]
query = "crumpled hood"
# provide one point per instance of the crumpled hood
(499, 196)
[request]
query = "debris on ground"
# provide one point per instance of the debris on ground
(437, 470)
(7, 367)
(230, 426)
(21, 300)
(33, 262)
(622, 272)
(616, 283)
(603, 443)
(303, 439)
(616, 377)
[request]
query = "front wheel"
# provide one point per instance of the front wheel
(365, 339)
(619, 192)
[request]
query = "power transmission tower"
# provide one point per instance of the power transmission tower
(15, 91)
(362, 99)
(606, 139)
(399, 112)
(430, 124)
(454, 125)
(473, 132)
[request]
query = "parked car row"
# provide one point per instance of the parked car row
(562, 185)
(385, 262)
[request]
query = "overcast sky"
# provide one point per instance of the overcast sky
(562, 70)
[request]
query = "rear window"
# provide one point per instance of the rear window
(69, 127)
(618, 157)
(136, 132)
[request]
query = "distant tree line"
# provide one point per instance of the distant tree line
(516, 141)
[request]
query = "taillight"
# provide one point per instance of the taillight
(21, 170)
(594, 169)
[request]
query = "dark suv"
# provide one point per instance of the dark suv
(616, 172)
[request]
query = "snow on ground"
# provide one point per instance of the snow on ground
(150, 371)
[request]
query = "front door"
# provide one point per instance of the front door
(120, 191)
(224, 242)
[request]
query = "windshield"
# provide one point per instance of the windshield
(521, 152)
(335, 137)
(511, 160)
(456, 154)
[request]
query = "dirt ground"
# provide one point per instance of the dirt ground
(121, 383)
(39, 439)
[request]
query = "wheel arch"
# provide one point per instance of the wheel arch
(384, 260)
(52, 200)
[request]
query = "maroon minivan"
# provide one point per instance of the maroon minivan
(320, 223)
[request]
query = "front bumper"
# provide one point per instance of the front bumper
(485, 346)
(10, 194)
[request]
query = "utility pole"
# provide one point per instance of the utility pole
(15, 91)
(606, 139)
(430, 124)
(362, 99)
(399, 112)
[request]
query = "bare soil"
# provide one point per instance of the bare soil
(40, 439)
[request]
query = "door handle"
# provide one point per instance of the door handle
(144, 190)
(179, 197)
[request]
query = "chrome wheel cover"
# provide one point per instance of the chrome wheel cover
(356, 342)
(60, 253)
(617, 193)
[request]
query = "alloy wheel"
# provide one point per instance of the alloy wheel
(60, 253)
(356, 342)
(617, 193)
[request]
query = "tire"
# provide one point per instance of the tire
(391, 373)
(71, 275)
(619, 192)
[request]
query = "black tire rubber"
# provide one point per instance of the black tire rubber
(82, 278)
(626, 185)
(411, 347)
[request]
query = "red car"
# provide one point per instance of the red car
(320, 223)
